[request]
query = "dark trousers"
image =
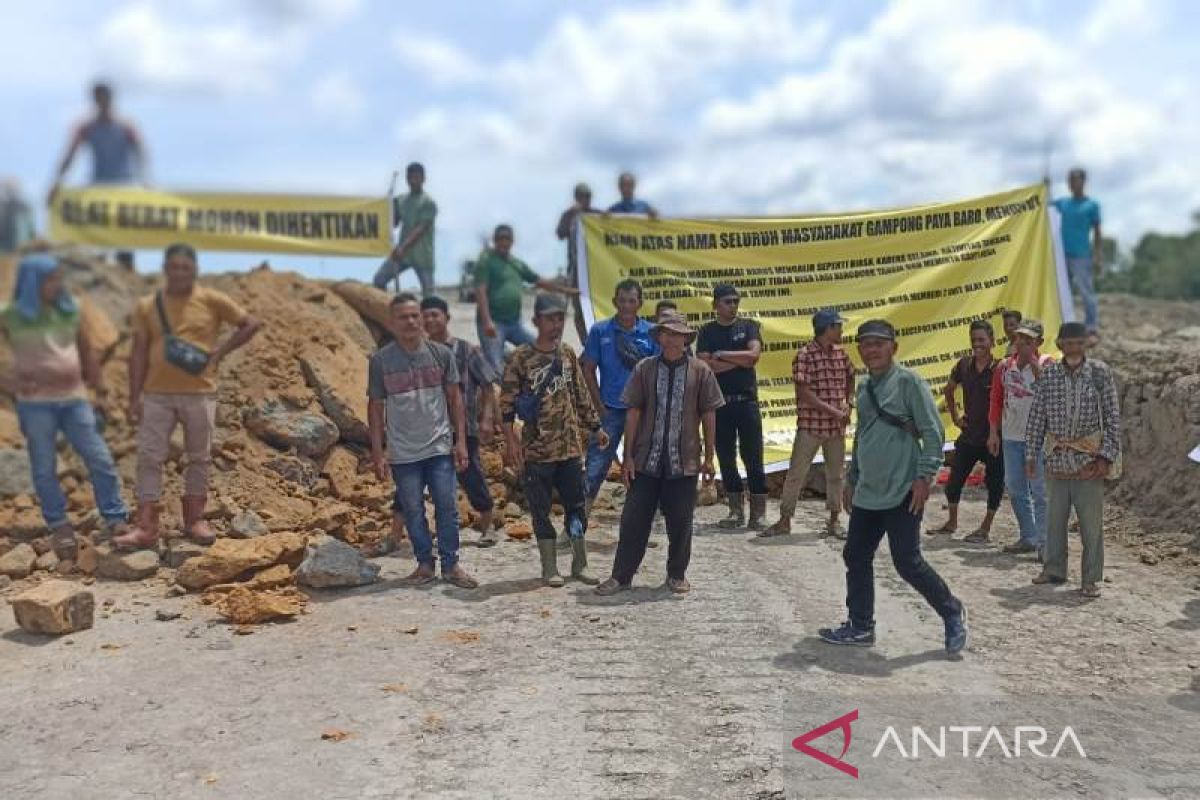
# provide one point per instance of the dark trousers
(542, 478)
(739, 428)
(471, 479)
(903, 529)
(966, 456)
(647, 494)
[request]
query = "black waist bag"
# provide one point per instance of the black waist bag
(179, 353)
(527, 405)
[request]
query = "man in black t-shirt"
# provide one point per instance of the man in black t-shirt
(731, 345)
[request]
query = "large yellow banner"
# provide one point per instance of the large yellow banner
(929, 270)
(130, 217)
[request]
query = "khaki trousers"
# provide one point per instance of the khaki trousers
(804, 448)
(160, 413)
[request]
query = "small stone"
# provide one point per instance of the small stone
(329, 563)
(180, 550)
(247, 525)
(412, 630)
(175, 590)
(18, 562)
(54, 607)
(115, 565)
(163, 615)
(519, 530)
(46, 561)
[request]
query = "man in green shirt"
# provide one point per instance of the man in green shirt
(500, 280)
(415, 212)
(897, 453)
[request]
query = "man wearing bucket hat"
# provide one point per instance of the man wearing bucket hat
(897, 453)
(824, 379)
(669, 399)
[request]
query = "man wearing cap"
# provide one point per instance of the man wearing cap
(614, 347)
(499, 284)
(543, 387)
(1081, 238)
(669, 399)
(415, 213)
(824, 379)
(1076, 421)
(1011, 398)
(897, 453)
(730, 345)
(566, 231)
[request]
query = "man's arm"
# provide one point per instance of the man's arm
(1037, 425)
(458, 418)
(413, 237)
(809, 398)
(141, 162)
(929, 426)
(245, 332)
(564, 223)
(585, 401)
(375, 427)
(708, 423)
(89, 364)
(65, 164)
(951, 402)
(139, 362)
(1110, 418)
(554, 286)
(588, 367)
(740, 358)
(633, 418)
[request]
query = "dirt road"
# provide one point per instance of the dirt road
(519, 691)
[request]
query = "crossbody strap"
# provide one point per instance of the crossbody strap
(887, 416)
(162, 313)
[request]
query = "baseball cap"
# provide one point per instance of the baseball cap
(549, 304)
(1031, 327)
(876, 329)
(723, 290)
(826, 317)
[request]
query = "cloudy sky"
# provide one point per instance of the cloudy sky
(721, 107)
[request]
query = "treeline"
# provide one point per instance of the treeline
(1165, 266)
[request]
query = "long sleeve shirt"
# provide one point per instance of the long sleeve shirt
(1077, 406)
(566, 411)
(887, 459)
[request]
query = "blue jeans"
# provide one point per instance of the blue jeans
(41, 423)
(1028, 497)
(514, 333)
(437, 473)
(599, 459)
(389, 271)
(1080, 271)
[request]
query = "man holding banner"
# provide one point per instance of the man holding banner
(731, 346)
(415, 212)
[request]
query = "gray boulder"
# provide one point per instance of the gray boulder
(330, 562)
(308, 433)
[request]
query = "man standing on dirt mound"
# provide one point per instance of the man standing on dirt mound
(543, 388)
(1077, 420)
(730, 345)
(478, 382)
(173, 370)
(566, 232)
(897, 453)
(1081, 239)
(414, 400)
(415, 213)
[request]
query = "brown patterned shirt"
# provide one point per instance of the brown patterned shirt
(566, 411)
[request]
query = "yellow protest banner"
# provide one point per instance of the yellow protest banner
(131, 217)
(929, 270)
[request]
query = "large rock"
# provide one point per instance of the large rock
(330, 562)
(116, 565)
(54, 607)
(229, 558)
(180, 551)
(14, 472)
(245, 606)
(247, 525)
(307, 433)
(18, 562)
(339, 379)
(370, 303)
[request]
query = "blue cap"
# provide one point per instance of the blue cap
(826, 317)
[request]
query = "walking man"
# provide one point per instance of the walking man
(415, 213)
(415, 399)
(499, 282)
(566, 232)
(974, 375)
(544, 388)
(1011, 398)
(173, 372)
(53, 367)
(478, 385)
(897, 453)
(1076, 421)
(1081, 239)
(730, 345)
(669, 399)
(824, 379)
(614, 346)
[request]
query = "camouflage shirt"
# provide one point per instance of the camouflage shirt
(566, 411)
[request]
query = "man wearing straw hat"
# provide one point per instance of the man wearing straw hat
(669, 399)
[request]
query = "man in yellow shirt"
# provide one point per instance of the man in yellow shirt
(173, 380)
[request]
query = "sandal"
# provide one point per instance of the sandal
(461, 578)
(421, 576)
(977, 536)
(944, 530)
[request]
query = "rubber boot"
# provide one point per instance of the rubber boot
(758, 512)
(579, 563)
(549, 555)
(737, 512)
(194, 525)
(563, 542)
(144, 535)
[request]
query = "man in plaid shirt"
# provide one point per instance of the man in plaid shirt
(1076, 422)
(824, 381)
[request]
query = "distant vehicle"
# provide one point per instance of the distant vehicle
(466, 285)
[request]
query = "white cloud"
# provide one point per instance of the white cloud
(440, 62)
(1121, 20)
(339, 97)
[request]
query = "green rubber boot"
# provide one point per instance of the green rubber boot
(549, 555)
(579, 563)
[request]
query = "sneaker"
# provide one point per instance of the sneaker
(610, 587)
(848, 634)
(1020, 546)
(956, 631)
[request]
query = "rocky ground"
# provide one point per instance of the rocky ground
(184, 686)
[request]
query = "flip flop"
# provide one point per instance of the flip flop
(940, 531)
(977, 536)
